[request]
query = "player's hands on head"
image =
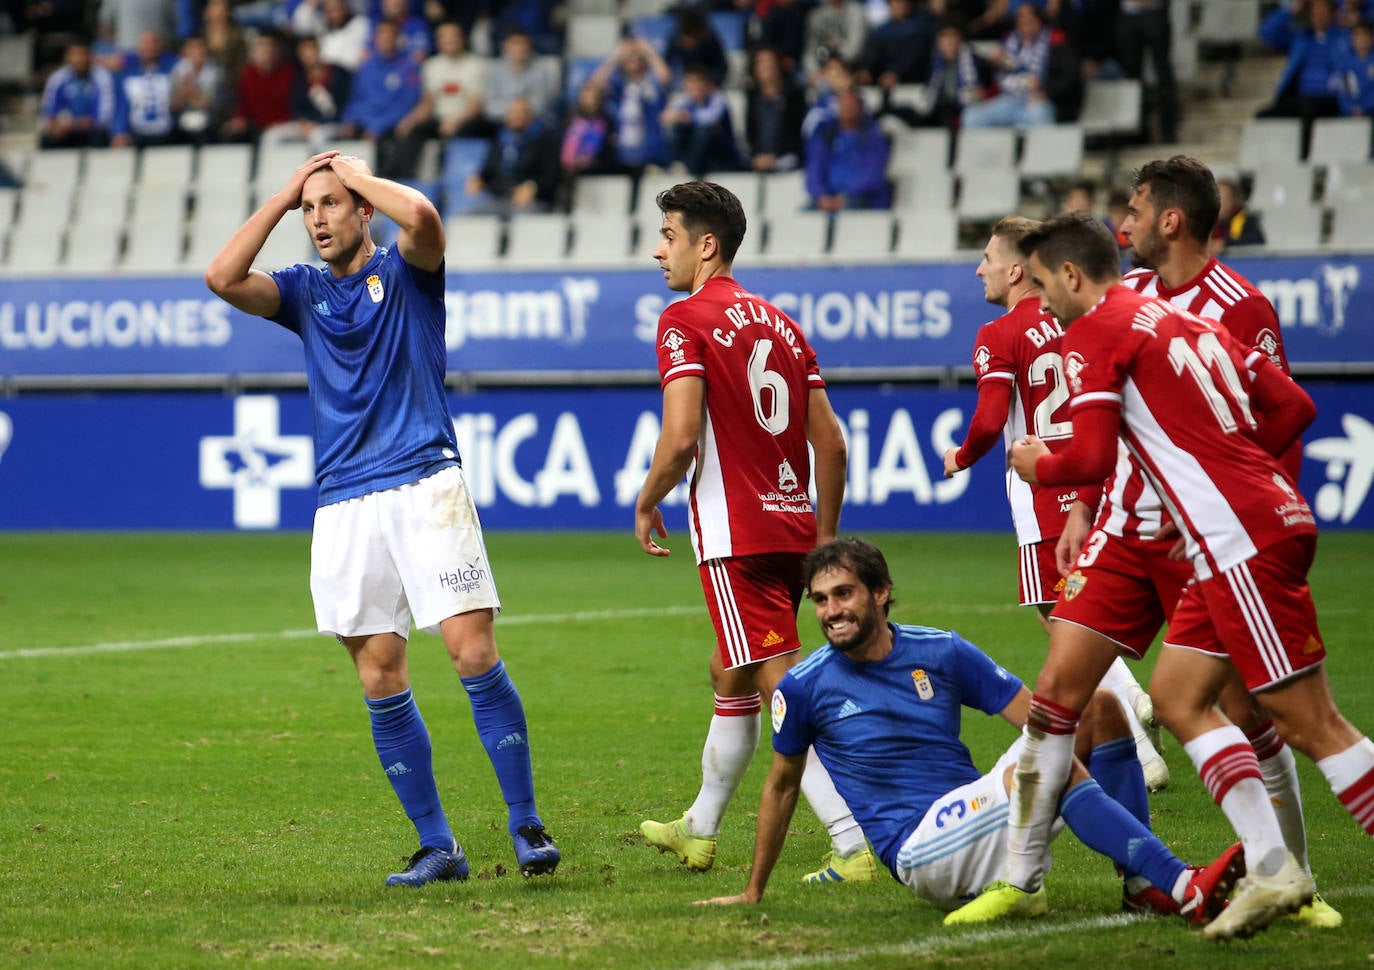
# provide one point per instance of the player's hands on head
(347, 167)
(311, 165)
(647, 525)
(1025, 453)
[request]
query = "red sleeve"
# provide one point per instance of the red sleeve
(1091, 454)
(1283, 408)
(1255, 325)
(985, 427)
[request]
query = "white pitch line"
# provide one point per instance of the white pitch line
(211, 639)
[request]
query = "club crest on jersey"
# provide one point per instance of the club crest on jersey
(1073, 370)
(374, 288)
(1268, 343)
(1073, 585)
(779, 708)
(982, 357)
(787, 477)
(925, 690)
(673, 341)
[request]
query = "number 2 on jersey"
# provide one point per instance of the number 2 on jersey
(1048, 369)
(771, 409)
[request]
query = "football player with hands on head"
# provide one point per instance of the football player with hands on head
(1184, 397)
(742, 398)
(396, 534)
(882, 704)
(1021, 389)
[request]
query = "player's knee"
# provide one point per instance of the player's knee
(1104, 717)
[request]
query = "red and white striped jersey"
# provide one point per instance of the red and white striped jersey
(1182, 386)
(1021, 348)
(751, 478)
(1129, 505)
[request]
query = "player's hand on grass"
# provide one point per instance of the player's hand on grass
(1025, 453)
(293, 188)
(647, 525)
(727, 900)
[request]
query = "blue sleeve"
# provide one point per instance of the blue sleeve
(356, 109)
(818, 164)
(987, 685)
(871, 173)
(120, 124)
(290, 284)
(791, 711)
(1276, 30)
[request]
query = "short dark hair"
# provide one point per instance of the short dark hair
(1079, 238)
(1185, 184)
(707, 207)
(863, 559)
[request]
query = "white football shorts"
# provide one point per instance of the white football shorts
(960, 844)
(415, 550)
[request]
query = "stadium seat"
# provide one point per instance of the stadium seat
(287, 245)
(1339, 140)
(462, 157)
(919, 149)
(1270, 141)
(275, 166)
(731, 26)
(9, 205)
(1052, 151)
(750, 248)
(1111, 107)
(747, 186)
(1350, 226)
(603, 193)
(645, 8)
(215, 219)
(1278, 184)
(922, 188)
(93, 247)
(908, 95)
(166, 165)
(784, 193)
(537, 238)
(578, 8)
(1293, 226)
(55, 173)
(153, 247)
(988, 193)
(927, 233)
(601, 238)
(650, 184)
(655, 28)
(111, 168)
(1349, 182)
(361, 147)
(472, 240)
(592, 35)
(978, 149)
(98, 203)
(798, 235)
(738, 101)
(1229, 21)
(861, 234)
(576, 72)
(224, 165)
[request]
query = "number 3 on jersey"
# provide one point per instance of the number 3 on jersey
(772, 398)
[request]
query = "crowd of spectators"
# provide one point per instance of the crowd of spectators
(403, 73)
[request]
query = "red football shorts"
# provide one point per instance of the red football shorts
(753, 602)
(1259, 612)
(1040, 579)
(1123, 589)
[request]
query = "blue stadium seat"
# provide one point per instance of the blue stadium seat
(575, 74)
(656, 29)
(731, 26)
(462, 157)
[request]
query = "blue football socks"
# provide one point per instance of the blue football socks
(500, 719)
(1105, 826)
(1116, 766)
(402, 742)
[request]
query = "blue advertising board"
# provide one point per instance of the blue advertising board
(870, 317)
(536, 459)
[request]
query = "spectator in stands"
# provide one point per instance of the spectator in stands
(694, 43)
(518, 75)
(318, 95)
(836, 78)
(589, 138)
(199, 91)
(1236, 225)
(521, 173)
(1143, 29)
(1118, 205)
(773, 115)
(701, 133)
(533, 18)
(1022, 64)
(224, 40)
(450, 103)
(385, 91)
(145, 115)
(1310, 85)
(1357, 91)
(342, 32)
(128, 20)
(1090, 26)
(79, 103)
(898, 52)
(835, 28)
(846, 160)
(413, 35)
(264, 90)
(636, 82)
(958, 78)
(783, 28)
(1079, 197)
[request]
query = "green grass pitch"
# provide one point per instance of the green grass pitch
(188, 779)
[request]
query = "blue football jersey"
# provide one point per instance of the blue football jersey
(375, 360)
(888, 732)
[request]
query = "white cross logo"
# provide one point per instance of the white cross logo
(257, 462)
